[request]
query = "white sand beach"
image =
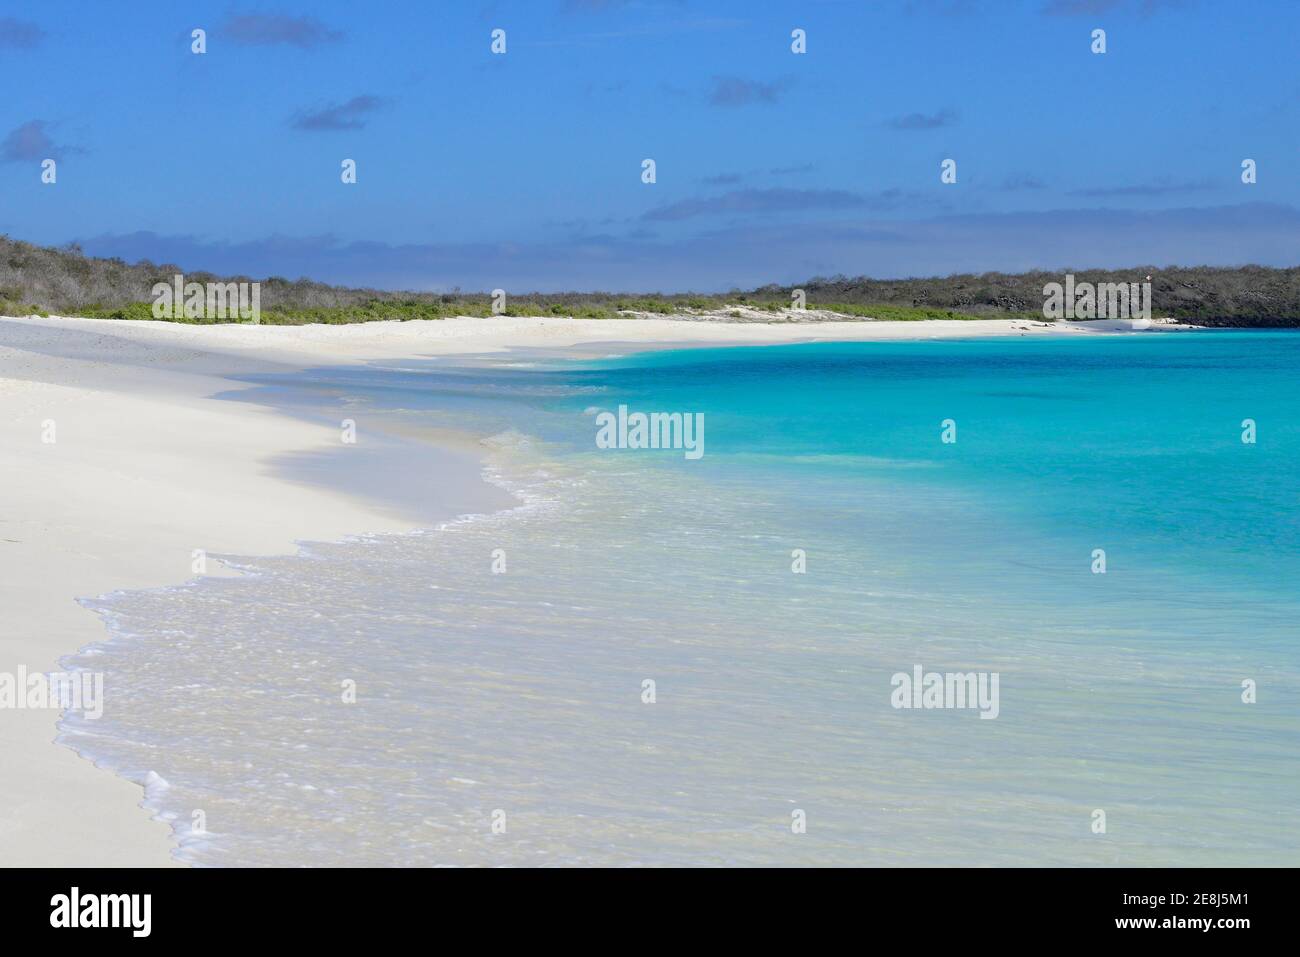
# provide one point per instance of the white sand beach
(146, 467)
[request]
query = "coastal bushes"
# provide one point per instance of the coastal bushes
(43, 280)
(1206, 295)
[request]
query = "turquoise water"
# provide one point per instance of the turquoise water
(1133, 442)
(522, 692)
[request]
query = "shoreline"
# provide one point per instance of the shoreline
(146, 467)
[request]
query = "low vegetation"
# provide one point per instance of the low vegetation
(40, 280)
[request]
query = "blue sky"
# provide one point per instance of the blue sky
(523, 170)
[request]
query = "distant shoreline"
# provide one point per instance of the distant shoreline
(41, 280)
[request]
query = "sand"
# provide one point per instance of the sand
(147, 466)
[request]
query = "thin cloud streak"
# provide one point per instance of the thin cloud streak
(352, 115)
(1143, 189)
(19, 34)
(913, 122)
(31, 143)
(729, 91)
(756, 201)
(257, 29)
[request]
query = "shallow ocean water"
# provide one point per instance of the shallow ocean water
(515, 698)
